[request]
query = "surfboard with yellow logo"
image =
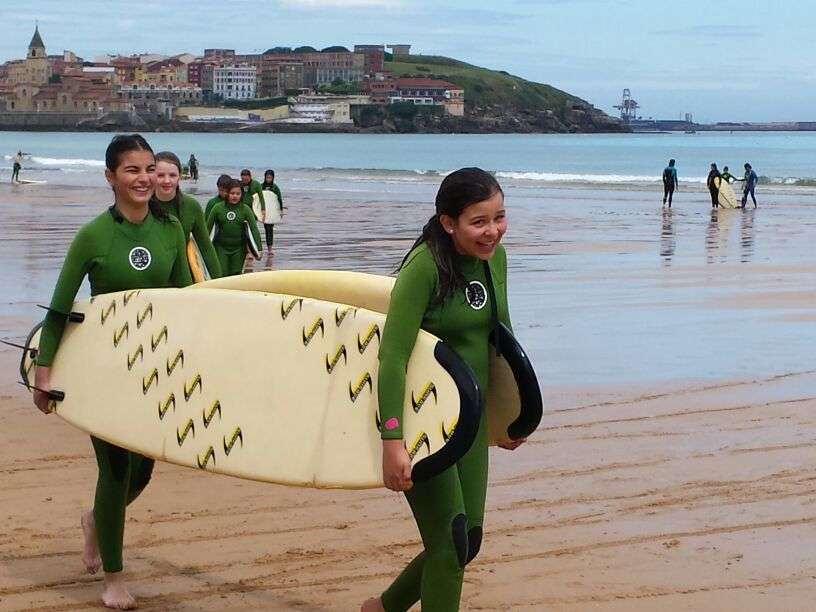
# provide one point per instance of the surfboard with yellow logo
(514, 403)
(142, 373)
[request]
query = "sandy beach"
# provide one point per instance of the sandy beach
(674, 468)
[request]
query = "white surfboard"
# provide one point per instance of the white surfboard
(726, 197)
(140, 372)
(272, 214)
(514, 401)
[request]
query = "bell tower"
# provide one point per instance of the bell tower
(36, 48)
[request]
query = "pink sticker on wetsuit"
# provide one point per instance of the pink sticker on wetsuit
(392, 423)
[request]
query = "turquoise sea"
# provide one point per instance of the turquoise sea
(625, 160)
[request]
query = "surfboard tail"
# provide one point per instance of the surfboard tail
(532, 407)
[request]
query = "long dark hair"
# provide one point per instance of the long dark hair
(170, 158)
(124, 143)
(458, 190)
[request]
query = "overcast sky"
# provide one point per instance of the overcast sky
(720, 60)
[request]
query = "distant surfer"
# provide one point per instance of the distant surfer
(713, 186)
(230, 221)
(452, 283)
(192, 165)
(670, 182)
(184, 207)
(222, 184)
(17, 164)
(269, 185)
(134, 244)
(750, 179)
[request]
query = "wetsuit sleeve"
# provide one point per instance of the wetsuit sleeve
(201, 234)
(180, 276)
(258, 190)
(277, 191)
(77, 263)
(410, 298)
(211, 218)
(501, 272)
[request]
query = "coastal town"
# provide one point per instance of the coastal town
(282, 86)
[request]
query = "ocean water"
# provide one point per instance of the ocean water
(617, 160)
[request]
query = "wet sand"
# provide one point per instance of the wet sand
(673, 469)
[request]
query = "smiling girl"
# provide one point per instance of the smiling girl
(452, 283)
(134, 244)
(183, 207)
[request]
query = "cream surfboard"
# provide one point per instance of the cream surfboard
(271, 213)
(198, 267)
(514, 401)
(178, 376)
(726, 197)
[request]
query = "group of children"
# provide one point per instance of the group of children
(141, 242)
(231, 220)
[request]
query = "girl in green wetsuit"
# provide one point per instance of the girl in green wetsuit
(184, 207)
(269, 185)
(230, 221)
(446, 284)
(132, 245)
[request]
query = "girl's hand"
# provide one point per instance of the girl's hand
(512, 444)
(396, 466)
(42, 379)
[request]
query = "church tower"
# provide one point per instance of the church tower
(36, 48)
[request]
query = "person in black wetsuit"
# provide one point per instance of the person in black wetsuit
(670, 182)
(714, 185)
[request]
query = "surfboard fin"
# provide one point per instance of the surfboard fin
(53, 394)
(32, 352)
(73, 317)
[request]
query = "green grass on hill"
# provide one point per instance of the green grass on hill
(482, 86)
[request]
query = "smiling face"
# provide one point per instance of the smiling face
(246, 179)
(234, 195)
(167, 180)
(134, 179)
(478, 230)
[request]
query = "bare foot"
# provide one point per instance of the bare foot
(372, 605)
(116, 595)
(90, 551)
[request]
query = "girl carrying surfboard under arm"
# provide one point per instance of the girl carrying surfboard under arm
(134, 244)
(234, 231)
(185, 208)
(453, 284)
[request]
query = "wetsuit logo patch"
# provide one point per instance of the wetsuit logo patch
(231, 215)
(476, 295)
(139, 258)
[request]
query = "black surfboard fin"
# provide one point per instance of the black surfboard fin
(52, 394)
(73, 317)
(32, 352)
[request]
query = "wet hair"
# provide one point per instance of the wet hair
(671, 162)
(458, 191)
(234, 184)
(170, 158)
(269, 173)
(223, 181)
(125, 143)
(245, 172)
(713, 166)
(748, 166)
(725, 168)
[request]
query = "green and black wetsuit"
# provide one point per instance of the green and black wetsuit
(249, 190)
(230, 221)
(269, 228)
(448, 508)
(187, 210)
(210, 204)
(116, 255)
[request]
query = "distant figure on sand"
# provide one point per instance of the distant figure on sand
(17, 164)
(750, 179)
(714, 186)
(193, 166)
(669, 182)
